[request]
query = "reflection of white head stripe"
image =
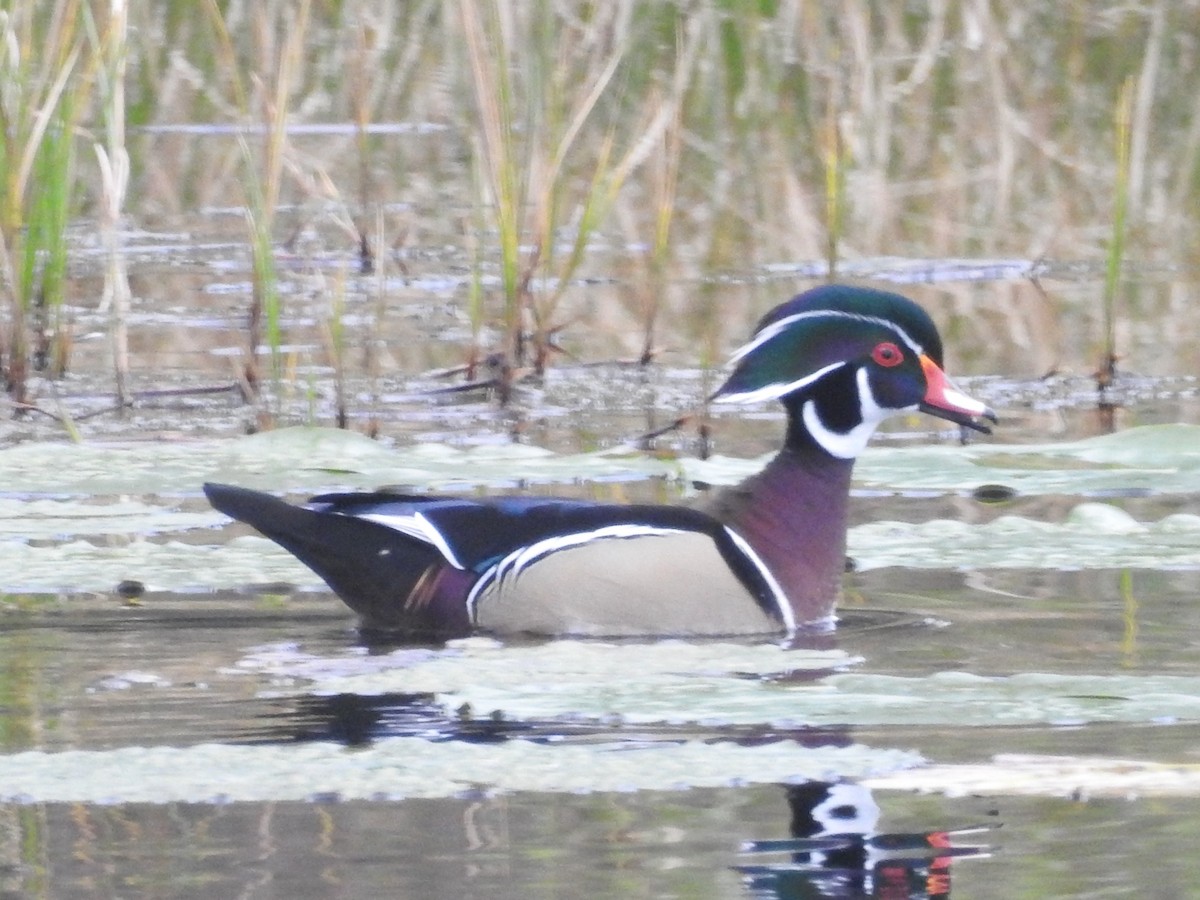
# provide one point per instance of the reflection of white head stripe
(511, 565)
(848, 809)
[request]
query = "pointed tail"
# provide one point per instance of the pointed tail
(394, 582)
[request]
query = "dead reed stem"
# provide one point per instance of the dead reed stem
(113, 160)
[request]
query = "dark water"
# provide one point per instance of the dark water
(649, 844)
(71, 682)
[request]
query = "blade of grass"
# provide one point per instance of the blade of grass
(263, 174)
(493, 94)
(833, 155)
(39, 92)
(1116, 244)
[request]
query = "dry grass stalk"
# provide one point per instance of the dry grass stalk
(530, 167)
(113, 161)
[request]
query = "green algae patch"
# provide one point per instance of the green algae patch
(297, 459)
(50, 518)
(1093, 535)
(714, 684)
(1151, 459)
(81, 565)
(398, 768)
(1162, 458)
(1078, 777)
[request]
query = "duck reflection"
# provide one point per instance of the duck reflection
(836, 851)
(359, 719)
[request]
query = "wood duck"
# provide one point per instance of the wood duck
(763, 557)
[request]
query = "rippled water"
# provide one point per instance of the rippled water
(1029, 662)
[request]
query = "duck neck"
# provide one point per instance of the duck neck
(794, 514)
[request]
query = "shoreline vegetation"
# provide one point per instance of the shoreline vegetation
(628, 181)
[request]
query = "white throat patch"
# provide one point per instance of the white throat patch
(848, 444)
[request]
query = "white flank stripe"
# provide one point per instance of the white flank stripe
(781, 599)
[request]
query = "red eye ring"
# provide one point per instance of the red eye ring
(887, 354)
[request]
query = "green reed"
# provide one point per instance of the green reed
(1116, 245)
(334, 334)
(665, 170)
(531, 159)
(279, 48)
(362, 69)
(41, 90)
(833, 155)
(799, 134)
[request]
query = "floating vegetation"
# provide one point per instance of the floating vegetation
(710, 683)
(405, 768)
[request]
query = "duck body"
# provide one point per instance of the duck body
(763, 557)
(449, 566)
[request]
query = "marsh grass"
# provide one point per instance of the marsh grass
(373, 347)
(40, 98)
(652, 285)
(833, 154)
(597, 131)
(490, 77)
(334, 335)
(552, 169)
(732, 143)
(361, 69)
(1123, 133)
(110, 48)
(279, 33)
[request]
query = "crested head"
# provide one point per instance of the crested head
(866, 304)
(842, 359)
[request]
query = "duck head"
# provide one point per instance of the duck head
(842, 359)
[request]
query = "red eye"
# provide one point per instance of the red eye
(887, 354)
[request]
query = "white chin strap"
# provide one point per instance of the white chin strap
(848, 444)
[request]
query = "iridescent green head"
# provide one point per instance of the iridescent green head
(842, 359)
